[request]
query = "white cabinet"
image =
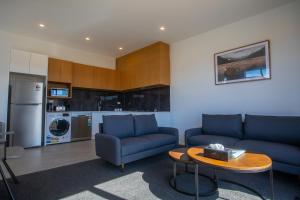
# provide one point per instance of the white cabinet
(96, 120)
(20, 61)
(28, 63)
(38, 64)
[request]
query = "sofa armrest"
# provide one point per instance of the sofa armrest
(170, 131)
(108, 147)
(192, 132)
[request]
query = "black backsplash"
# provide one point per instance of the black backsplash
(154, 99)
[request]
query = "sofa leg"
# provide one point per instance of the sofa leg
(122, 167)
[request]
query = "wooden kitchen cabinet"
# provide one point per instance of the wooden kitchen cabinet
(59, 71)
(106, 79)
(83, 76)
(149, 66)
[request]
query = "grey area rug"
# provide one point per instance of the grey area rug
(145, 179)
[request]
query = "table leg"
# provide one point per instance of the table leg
(174, 173)
(272, 184)
(196, 182)
(215, 176)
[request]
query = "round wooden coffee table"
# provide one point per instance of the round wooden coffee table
(247, 163)
(179, 155)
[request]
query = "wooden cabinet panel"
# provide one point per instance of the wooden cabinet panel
(59, 71)
(66, 72)
(54, 70)
(165, 64)
(82, 76)
(106, 79)
(149, 66)
(146, 67)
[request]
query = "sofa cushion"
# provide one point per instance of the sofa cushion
(223, 125)
(120, 126)
(273, 129)
(160, 139)
(145, 124)
(279, 152)
(200, 140)
(132, 145)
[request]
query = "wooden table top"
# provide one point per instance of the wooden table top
(180, 155)
(248, 162)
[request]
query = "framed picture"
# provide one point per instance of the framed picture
(247, 63)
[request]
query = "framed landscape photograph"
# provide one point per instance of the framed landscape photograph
(247, 63)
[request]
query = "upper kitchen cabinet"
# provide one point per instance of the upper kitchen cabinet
(60, 71)
(149, 66)
(28, 63)
(106, 79)
(83, 76)
(39, 64)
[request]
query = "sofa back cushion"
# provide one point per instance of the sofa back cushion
(145, 124)
(273, 129)
(120, 126)
(223, 125)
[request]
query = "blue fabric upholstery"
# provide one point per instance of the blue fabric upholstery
(147, 153)
(291, 169)
(170, 131)
(191, 132)
(222, 125)
(108, 147)
(160, 139)
(133, 145)
(273, 129)
(279, 152)
(119, 145)
(277, 137)
(145, 124)
(120, 126)
(201, 140)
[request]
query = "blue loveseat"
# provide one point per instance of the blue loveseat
(277, 137)
(126, 138)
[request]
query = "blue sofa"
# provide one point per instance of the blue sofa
(276, 136)
(126, 138)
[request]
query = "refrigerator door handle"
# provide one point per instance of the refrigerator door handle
(26, 104)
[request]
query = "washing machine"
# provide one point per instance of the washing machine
(58, 128)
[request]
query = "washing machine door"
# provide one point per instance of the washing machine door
(59, 127)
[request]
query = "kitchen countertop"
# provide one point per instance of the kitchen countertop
(109, 112)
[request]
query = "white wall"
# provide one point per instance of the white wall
(9, 41)
(194, 92)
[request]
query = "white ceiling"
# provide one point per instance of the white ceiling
(131, 24)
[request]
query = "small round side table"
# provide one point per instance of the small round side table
(179, 155)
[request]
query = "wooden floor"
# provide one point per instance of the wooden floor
(43, 158)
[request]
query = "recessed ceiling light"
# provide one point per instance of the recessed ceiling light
(162, 28)
(42, 25)
(120, 48)
(87, 39)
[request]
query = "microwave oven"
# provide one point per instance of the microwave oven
(59, 92)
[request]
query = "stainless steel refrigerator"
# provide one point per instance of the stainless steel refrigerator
(26, 112)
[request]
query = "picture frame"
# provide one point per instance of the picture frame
(246, 63)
